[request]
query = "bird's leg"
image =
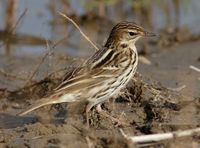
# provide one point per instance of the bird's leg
(104, 113)
(88, 108)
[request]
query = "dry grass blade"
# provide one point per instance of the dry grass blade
(194, 68)
(46, 55)
(12, 30)
(160, 136)
(19, 20)
(178, 88)
(144, 60)
(38, 66)
(42, 61)
(86, 37)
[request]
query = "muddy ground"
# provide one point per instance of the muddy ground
(163, 97)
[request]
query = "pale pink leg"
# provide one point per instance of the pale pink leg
(88, 108)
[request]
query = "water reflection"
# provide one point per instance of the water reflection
(41, 22)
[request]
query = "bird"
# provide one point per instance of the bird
(104, 74)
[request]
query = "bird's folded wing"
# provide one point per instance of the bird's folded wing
(87, 80)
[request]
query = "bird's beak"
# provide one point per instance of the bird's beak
(148, 34)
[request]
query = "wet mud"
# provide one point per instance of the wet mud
(147, 105)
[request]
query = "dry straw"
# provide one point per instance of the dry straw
(85, 36)
(160, 136)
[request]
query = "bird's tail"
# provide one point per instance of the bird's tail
(38, 104)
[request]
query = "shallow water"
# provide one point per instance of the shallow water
(38, 22)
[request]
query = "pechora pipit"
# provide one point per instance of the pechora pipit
(104, 74)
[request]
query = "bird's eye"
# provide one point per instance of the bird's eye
(132, 33)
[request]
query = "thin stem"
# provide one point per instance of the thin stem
(87, 38)
(160, 136)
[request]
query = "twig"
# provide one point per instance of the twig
(36, 69)
(69, 19)
(89, 142)
(36, 137)
(45, 56)
(15, 26)
(178, 88)
(194, 68)
(144, 60)
(160, 137)
(50, 57)
(19, 20)
(62, 39)
(42, 60)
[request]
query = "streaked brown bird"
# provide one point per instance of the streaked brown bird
(104, 74)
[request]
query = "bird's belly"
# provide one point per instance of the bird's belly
(111, 87)
(123, 80)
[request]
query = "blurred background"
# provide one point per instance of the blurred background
(35, 40)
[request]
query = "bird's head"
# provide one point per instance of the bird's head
(126, 33)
